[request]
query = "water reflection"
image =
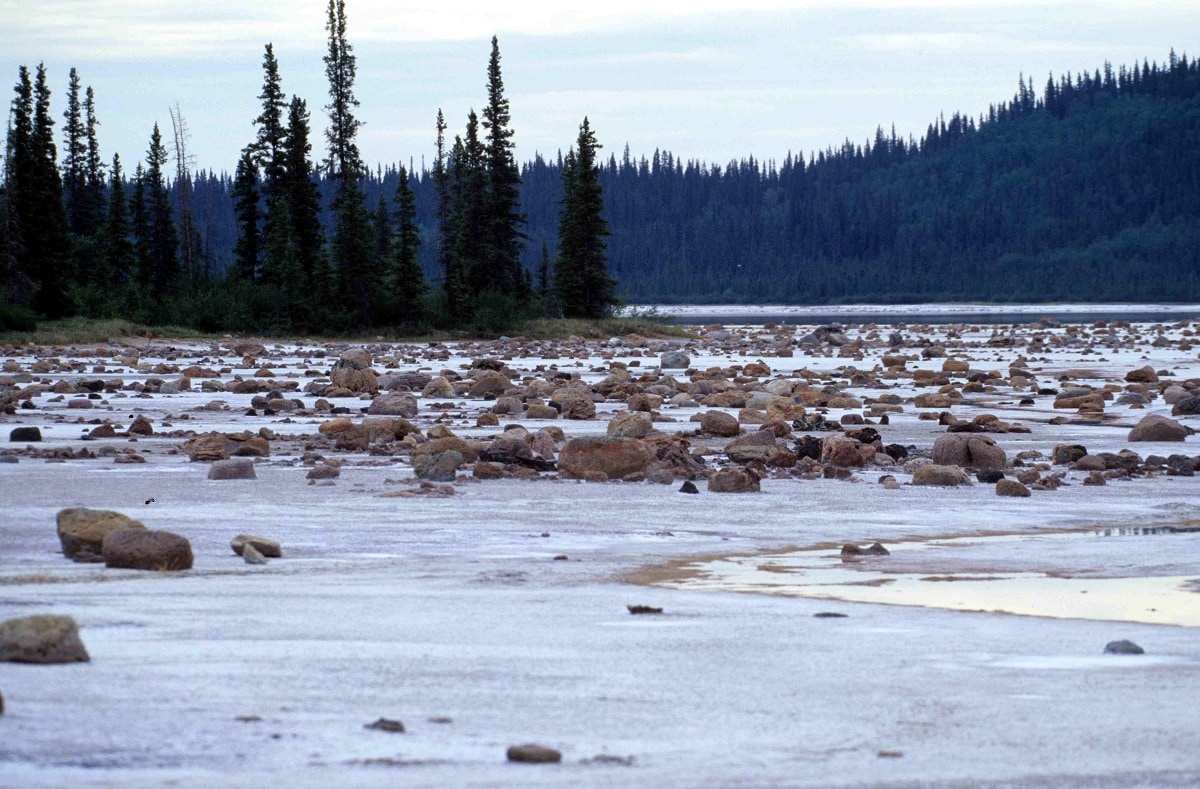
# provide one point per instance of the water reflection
(824, 574)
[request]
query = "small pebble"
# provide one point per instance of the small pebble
(1123, 648)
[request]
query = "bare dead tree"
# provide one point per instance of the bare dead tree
(183, 187)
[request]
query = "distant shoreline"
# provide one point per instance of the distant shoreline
(683, 310)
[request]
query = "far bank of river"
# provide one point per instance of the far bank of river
(735, 314)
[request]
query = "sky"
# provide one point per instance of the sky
(711, 80)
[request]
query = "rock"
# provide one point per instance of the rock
(442, 467)
(141, 426)
(1187, 407)
(355, 358)
(719, 423)
(213, 446)
(1090, 463)
(631, 425)
(1010, 487)
(674, 360)
(752, 446)
(438, 389)
(357, 381)
(485, 469)
(934, 474)
(400, 404)
(968, 450)
(25, 434)
(1064, 454)
(1095, 478)
(41, 639)
(386, 724)
(146, 550)
(575, 404)
(842, 452)
(105, 430)
(489, 382)
(613, 457)
(1123, 647)
(1143, 375)
(82, 529)
(733, 480)
(989, 475)
(261, 544)
(1157, 428)
(688, 487)
(255, 447)
(531, 753)
(644, 609)
(468, 449)
(324, 472)
(252, 555)
(235, 468)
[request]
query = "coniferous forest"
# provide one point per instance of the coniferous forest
(1086, 188)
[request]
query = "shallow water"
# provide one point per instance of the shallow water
(917, 575)
(899, 316)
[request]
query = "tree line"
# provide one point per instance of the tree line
(307, 254)
(1088, 189)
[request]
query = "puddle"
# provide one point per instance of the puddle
(969, 573)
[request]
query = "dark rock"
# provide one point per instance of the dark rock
(1011, 487)
(234, 468)
(25, 434)
(896, 452)
(688, 487)
(1123, 648)
(829, 615)
(442, 467)
(41, 639)
(531, 753)
(989, 475)
(146, 550)
(1189, 406)
(324, 472)
(386, 724)
(644, 609)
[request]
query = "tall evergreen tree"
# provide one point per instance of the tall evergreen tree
(93, 169)
(584, 288)
(164, 239)
(74, 163)
(502, 228)
(139, 211)
(44, 221)
(407, 280)
(303, 199)
(248, 249)
(351, 251)
(118, 254)
(271, 154)
(18, 191)
(545, 284)
(454, 286)
(469, 176)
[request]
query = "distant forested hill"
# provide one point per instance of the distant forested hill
(1086, 189)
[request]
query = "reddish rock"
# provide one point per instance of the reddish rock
(734, 480)
(613, 457)
(146, 550)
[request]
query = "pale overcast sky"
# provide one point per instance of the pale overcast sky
(707, 79)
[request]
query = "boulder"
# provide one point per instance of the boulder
(1063, 454)
(968, 450)
(734, 480)
(752, 446)
(630, 425)
(489, 382)
(355, 380)
(146, 550)
(1010, 487)
(615, 458)
(438, 389)
(261, 544)
(575, 404)
(468, 449)
(255, 447)
(252, 555)
(1157, 428)
(235, 468)
(213, 446)
(1188, 406)
(1123, 647)
(1143, 375)
(530, 753)
(141, 426)
(41, 639)
(934, 474)
(82, 530)
(442, 467)
(324, 472)
(719, 423)
(842, 452)
(400, 404)
(355, 358)
(674, 360)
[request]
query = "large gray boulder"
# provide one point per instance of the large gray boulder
(41, 639)
(400, 404)
(147, 550)
(1158, 428)
(82, 530)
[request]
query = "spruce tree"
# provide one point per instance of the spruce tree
(303, 199)
(44, 221)
(504, 273)
(270, 149)
(453, 277)
(407, 279)
(18, 191)
(545, 284)
(139, 212)
(471, 249)
(351, 251)
(248, 248)
(164, 239)
(118, 254)
(93, 169)
(584, 288)
(74, 164)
